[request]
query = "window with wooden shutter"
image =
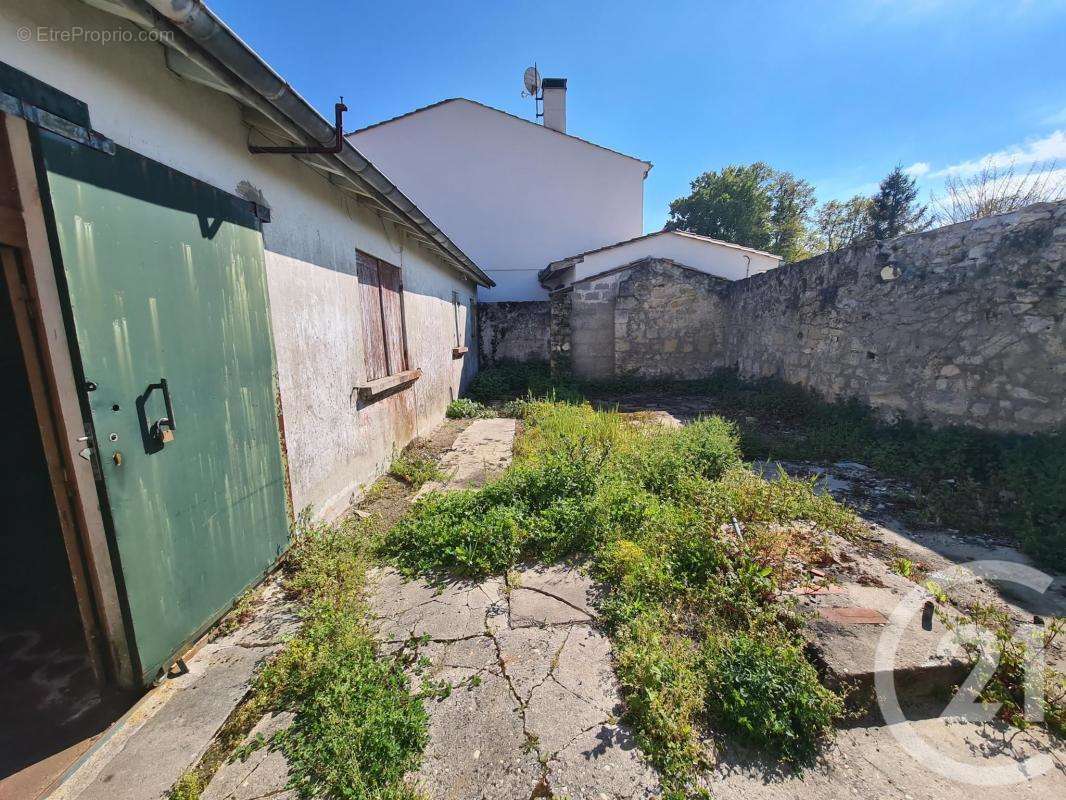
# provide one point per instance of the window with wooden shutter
(381, 296)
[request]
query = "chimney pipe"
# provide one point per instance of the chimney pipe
(553, 90)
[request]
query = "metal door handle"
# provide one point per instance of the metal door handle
(162, 429)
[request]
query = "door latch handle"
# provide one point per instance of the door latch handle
(162, 430)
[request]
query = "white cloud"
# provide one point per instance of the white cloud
(1058, 118)
(917, 170)
(1050, 148)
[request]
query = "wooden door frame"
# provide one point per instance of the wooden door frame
(46, 347)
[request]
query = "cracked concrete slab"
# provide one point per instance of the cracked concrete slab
(410, 609)
(265, 772)
(143, 762)
(478, 748)
(566, 583)
(602, 762)
(480, 452)
(530, 608)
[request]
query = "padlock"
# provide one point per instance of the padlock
(167, 435)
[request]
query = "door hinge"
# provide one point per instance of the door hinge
(9, 104)
(262, 213)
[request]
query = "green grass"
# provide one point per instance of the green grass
(188, 787)
(465, 408)
(963, 478)
(358, 728)
(653, 510)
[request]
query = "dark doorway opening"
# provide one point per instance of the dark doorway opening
(54, 708)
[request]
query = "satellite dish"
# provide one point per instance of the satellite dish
(531, 79)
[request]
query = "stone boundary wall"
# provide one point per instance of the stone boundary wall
(963, 324)
(512, 331)
(959, 325)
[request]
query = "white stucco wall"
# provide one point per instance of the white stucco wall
(334, 444)
(513, 195)
(715, 258)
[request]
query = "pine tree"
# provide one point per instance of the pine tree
(894, 210)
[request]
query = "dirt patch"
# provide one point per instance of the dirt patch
(387, 499)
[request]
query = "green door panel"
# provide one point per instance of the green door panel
(166, 279)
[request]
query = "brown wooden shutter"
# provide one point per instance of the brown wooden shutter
(392, 317)
(373, 330)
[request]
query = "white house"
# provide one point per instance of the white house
(701, 253)
(512, 194)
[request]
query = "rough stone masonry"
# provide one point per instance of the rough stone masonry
(963, 324)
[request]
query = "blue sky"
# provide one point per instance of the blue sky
(836, 92)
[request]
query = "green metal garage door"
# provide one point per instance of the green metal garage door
(167, 290)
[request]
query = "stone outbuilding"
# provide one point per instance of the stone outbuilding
(646, 307)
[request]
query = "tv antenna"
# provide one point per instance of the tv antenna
(531, 81)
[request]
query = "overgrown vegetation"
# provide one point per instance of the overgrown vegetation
(971, 480)
(415, 470)
(1007, 663)
(692, 547)
(465, 408)
(358, 728)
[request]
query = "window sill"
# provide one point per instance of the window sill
(459, 352)
(376, 388)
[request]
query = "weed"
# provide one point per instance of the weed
(357, 727)
(904, 567)
(654, 508)
(1008, 660)
(962, 477)
(188, 787)
(415, 470)
(763, 688)
(465, 408)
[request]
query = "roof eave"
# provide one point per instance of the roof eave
(193, 28)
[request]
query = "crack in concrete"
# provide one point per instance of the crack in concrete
(541, 789)
(553, 596)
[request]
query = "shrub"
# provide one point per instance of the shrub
(707, 448)
(511, 379)
(763, 688)
(456, 531)
(659, 674)
(465, 408)
(357, 728)
(415, 470)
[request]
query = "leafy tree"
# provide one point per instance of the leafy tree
(842, 224)
(792, 199)
(894, 209)
(753, 205)
(733, 205)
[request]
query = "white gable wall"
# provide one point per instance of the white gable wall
(514, 196)
(720, 260)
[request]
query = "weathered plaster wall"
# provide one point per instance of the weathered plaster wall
(515, 331)
(335, 445)
(964, 324)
